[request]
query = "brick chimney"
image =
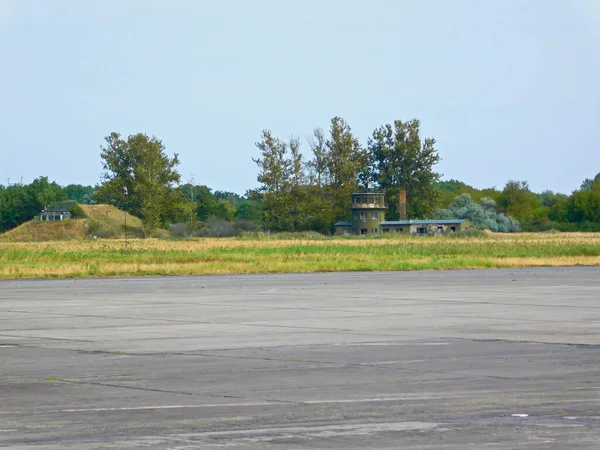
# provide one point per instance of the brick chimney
(402, 205)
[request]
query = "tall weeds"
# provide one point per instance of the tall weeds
(259, 253)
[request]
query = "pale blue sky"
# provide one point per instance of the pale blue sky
(510, 89)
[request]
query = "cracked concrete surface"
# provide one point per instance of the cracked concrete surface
(448, 360)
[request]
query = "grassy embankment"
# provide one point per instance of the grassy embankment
(103, 221)
(95, 258)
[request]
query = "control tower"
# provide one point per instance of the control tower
(368, 211)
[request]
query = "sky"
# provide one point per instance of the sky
(508, 88)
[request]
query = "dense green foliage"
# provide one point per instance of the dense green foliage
(482, 215)
(400, 160)
(313, 194)
(140, 176)
(303, 191)
(84, 195)
(20, 203)
(543, 211)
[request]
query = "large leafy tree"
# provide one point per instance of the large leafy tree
(345, 162)
(202, 196)
(16, 206)
(20, 203)
(585, 203)
(275, 169)
(140, 164)
(79, 193)
(44, 192)
(590, 183)
(297, 186)
(317, 166)
(401, 160)
(518, 201)
(250, 211)
(319, 215)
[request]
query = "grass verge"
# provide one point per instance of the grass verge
(102, 258)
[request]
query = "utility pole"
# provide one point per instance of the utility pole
(192, 183)
(125, 212)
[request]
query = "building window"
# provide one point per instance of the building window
(386, 230)
(363, 231)
(422, 230)
(363, 216)
(374, 216)
(374, 231)
(453, 229)
(399, 230)
(356, 199)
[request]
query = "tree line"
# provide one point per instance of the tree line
(308, 189)
(548, 210)
(20, 203)
(312, 193)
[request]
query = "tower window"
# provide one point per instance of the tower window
(374, 216)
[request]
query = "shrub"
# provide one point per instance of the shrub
(77, 212)
(179, 229)
(480, 215)
(221, 228)
(62, 206)
(182, 229)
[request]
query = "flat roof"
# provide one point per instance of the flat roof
(423, 222)
(342, 224)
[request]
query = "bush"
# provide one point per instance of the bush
(62, 206)
(480, 215)
(77, 212)
(215, 227)
(182, 230)
(179, 229)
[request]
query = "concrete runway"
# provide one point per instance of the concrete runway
(497, 359)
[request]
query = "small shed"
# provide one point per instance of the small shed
(342, 228)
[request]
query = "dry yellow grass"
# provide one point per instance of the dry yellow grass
(422, 242)
(108, 222)
(225, 256)
(104, 221)
(35, 231)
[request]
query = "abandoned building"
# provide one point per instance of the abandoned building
(54, 215)
(368, 217)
